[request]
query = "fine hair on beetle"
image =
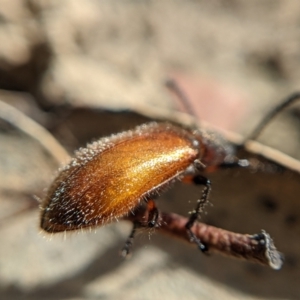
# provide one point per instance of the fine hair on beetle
(110, 178)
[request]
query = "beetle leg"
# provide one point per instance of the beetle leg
(152, 213)
(253, 165)
(237, 163)
(129, 242)
(198, 210)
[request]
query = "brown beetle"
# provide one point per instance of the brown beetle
(109, 178)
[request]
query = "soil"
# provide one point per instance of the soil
(84, 69)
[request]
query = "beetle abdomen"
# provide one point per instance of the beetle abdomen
(108, 179)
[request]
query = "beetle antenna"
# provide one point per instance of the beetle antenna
(271, 115)
(173, 86)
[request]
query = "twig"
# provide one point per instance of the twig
(257, 248)
(34, 130)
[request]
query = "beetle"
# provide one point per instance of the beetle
(109, 178)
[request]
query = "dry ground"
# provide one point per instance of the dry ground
(81, 69)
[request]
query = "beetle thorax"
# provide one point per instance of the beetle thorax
(214, 149)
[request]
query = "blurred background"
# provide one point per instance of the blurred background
(73, 71)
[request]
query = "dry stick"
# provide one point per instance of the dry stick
(257, 248)
(25, 124)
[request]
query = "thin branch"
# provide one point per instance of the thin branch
(34, 130)
(258, 248)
